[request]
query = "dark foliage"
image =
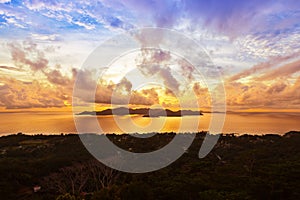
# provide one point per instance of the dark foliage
(245, 167)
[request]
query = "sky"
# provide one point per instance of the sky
(254, 44)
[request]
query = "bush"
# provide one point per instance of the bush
(66, 196)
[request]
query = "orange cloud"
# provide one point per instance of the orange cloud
(19, 94)
(276, 86)
(283, 71)
(273, 84)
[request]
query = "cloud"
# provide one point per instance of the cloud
(5, 1)
(276, 88)
(122, 94)
(44, 5)
(88, 15)
(202, 95)
(187, 69)
(155, 62)
(271, 42)
(55, 77)
(19, 94)
(273, 84)
(14, 18)
(48, 88)
(282, 71)
(44, 37)
(278, 95)
(27, 54)
(227, 17)
(147, 96)
(57, 92)
(224, 16)
(261, 67)
(165, 13)
(11, 68)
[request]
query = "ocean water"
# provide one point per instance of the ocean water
(63, 122)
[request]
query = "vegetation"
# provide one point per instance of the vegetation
(59, 167)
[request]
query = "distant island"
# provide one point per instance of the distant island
(146, 112)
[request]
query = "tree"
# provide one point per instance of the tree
(102, 176)
(71, 179)
(66, 196)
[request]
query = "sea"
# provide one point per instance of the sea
(39, 122)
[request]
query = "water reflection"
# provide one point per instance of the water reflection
(62, 122)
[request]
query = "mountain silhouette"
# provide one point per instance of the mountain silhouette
(146, 112)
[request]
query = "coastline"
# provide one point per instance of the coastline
(150, 133)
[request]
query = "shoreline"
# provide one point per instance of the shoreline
(150, 133)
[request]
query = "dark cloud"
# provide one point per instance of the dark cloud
(55, 77)
(276, 88)
(11, 68)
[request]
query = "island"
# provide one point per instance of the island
(145, 112)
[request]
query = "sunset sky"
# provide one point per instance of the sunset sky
(255, 44)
